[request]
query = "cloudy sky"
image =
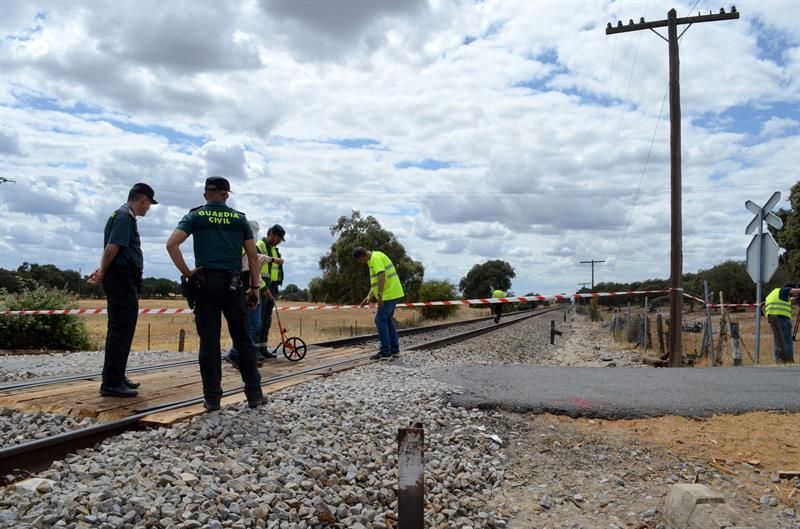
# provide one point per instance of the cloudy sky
(512, 130)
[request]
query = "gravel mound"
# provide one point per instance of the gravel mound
(20, 427)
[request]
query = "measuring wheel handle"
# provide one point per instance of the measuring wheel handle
(294, 349)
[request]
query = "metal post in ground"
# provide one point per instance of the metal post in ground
(411, 477)
(644, 341)
(709, 328)
(181, 340)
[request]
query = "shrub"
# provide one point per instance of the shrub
(42, 332)
(438, 291)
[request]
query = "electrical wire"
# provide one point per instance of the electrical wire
(641, 179)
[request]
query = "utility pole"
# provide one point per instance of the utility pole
(583, 285)
(592, 262)
(676, 254)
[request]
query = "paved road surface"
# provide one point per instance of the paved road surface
(625, 392)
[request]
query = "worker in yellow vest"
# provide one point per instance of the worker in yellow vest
(497, 308)
(385, 287)
(778, 309)
(272, 274)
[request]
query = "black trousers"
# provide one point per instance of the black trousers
(121, 285)
(266, 307)
(215, 299)
(497, 309)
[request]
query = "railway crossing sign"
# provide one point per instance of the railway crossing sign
(768, 263)
(762, 253)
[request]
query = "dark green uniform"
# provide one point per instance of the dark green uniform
(219, 233)
(121, 283)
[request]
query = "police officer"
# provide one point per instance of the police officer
(219, 234)
(272, 275)
(120, 272)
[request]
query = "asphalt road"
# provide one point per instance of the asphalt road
(625, 392)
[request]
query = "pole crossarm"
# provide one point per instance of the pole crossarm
(631, 26)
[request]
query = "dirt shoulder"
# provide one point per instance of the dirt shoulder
(585, 474)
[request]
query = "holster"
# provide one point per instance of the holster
(191, 285)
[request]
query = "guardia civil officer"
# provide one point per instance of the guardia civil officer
(778, 310)
(120, 272)
(219, 234)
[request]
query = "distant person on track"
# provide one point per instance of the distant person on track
(120, 272)
(385, 287)
(497, 308)
(272, 276)
(255, 312)
(216, 282)
(778, 309)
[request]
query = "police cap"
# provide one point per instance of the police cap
(278, 230)
(143, 189)
(217, 183)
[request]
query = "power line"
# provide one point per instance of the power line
(641, 179)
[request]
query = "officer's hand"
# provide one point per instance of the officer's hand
(252, 298)
(278, 260)
(95, 277)
(267, 293)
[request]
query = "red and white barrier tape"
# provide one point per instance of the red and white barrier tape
(480, 301)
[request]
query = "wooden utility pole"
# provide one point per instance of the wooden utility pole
(583, 284)
(676, 253)
(592, 262)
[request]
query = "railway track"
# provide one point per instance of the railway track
(18, 461)
(341, 342)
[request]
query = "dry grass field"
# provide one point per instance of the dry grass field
(159, 332)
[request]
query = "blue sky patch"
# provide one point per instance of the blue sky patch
(173, 136)
(68, 165)
(428, 164)
(469, 39)
(746, 119)
(354, 143)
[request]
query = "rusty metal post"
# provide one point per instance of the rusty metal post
(148, 337)
(181, 340)
(411, 477)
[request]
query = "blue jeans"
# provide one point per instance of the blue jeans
(384, 321)
(255, 327)
(784, 326)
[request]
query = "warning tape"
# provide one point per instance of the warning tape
(718, 305)
(305, 308)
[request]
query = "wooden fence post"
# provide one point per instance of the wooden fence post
(181, 340)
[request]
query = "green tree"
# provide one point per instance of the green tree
(159, 287)
(788, 237)
(293, 293)
(483, 278)
(346, 281)
(42, 332)
(438, 291)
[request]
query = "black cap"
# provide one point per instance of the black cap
(279, 231)
(144, 189)
(217, 183)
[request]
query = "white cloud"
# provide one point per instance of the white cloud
(538, 140)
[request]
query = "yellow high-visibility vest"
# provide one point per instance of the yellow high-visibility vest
(498, 294)
(775, 306)
(270, 270)
(392, 289)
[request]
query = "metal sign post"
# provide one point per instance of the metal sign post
(762, 253)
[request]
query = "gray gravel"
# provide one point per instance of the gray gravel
(320, 451)
(19, 427)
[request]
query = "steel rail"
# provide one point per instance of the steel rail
(341, 342)
(38, 455)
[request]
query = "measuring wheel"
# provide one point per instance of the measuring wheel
(294, 349)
